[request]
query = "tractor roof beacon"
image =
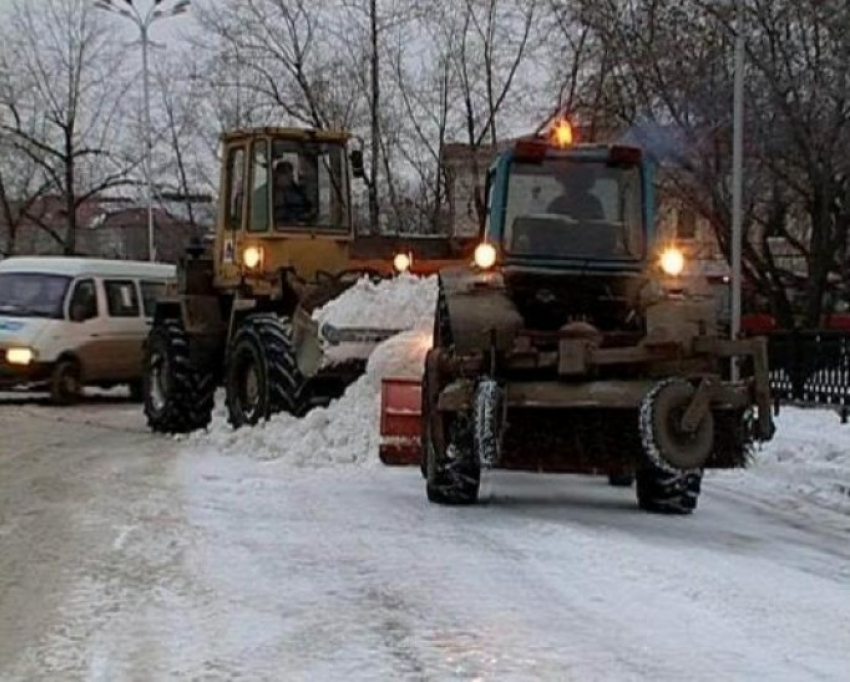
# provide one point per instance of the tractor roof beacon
(578, 342)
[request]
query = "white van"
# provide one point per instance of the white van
(70, 322)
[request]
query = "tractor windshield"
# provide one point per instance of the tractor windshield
(309, 186)
(574, 209)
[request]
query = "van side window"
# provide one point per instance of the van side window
(151, 291)
(83, 301)
(121, 298)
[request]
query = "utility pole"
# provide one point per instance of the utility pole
(144, 22)
(737, 178)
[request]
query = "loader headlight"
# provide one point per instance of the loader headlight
(672, 261)
(485, 256)
(402, 262)
(20, 356)
(252, 257)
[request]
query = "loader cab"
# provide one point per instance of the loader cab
(284, 200)
(562, 208)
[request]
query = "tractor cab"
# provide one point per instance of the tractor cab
(569, 228)
(558, 206)
(285, 201)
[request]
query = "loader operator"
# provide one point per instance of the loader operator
(291, 204)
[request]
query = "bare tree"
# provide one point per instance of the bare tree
(285, 48)
(67, 65)
(796, 123)
(181, 94)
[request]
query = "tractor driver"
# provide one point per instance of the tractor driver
(291, 204)
(576, 199)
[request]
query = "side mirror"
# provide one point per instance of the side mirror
(357, 167)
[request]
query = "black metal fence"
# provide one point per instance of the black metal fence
(811, 367)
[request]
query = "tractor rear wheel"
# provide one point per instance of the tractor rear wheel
(177, 397)
(453, 476)
(262, 375)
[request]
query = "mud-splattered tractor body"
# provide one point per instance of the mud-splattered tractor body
(576, 345)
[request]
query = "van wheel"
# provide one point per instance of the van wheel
(178, 398)
(66, 383)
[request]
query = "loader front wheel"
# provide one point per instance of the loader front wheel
(177, 397)
(453, 476)
(262, 376)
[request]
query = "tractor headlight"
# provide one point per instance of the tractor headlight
(252, 257)
(20, 356)
(672, 261)
(402, 262)
(485, 256)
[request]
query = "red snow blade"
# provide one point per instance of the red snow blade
(401, 414)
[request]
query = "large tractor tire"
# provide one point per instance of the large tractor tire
(177, 398)
(453, 476)
(487, 425)
(262, 376)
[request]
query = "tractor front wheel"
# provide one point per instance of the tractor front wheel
(453, 476)
(262, 376)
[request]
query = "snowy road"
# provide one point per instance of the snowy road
(129, 557)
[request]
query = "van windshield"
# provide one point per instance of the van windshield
(24, 294)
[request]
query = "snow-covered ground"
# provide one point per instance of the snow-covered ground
(288, 552)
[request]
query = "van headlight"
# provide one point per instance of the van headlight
(20, 356)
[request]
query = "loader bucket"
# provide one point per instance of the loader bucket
(401, 415)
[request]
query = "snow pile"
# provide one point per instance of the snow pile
(399, 303)
(807, 458)
(347, 431)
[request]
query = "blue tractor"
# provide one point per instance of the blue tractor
(577, 342)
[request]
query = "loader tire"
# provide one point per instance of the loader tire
(177, 397)
(662, 492)
(262, 376)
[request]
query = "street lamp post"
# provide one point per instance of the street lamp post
(737, 177)
(144, 22)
